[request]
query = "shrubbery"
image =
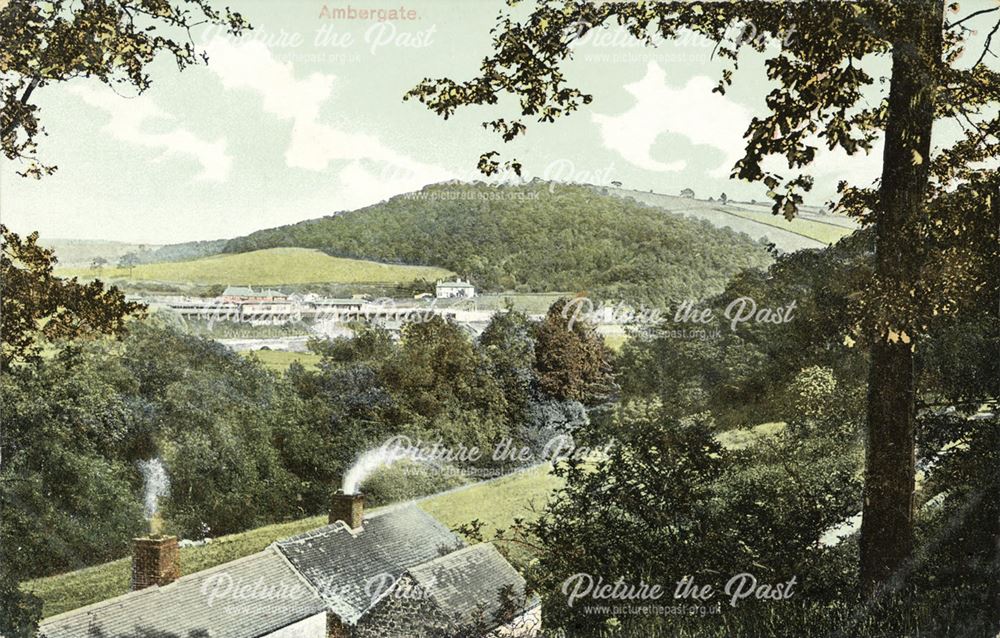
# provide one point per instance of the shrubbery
(243, 446)
(406, 480)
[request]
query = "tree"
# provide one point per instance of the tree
(111, 40)
(37, 306)
(19, 612)
(929, 213)
(669, 500)
(571, 360)
(130, 261)
(437, 369)
(98, 263)
(508, 348)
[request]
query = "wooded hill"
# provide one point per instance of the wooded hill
(533, 237)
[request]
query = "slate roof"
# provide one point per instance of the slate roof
(344, 565)
(278, 597)
(454, 284)
(468, 581)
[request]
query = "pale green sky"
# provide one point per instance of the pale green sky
(305, 117)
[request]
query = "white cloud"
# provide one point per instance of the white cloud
(130, 120)
(314, 143)
(360, 186)
(250, 65)
(691, 111)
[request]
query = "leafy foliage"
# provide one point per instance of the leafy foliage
(111, 40)
(572, 361)
(670, 502)
(39, 307)
(930, 211)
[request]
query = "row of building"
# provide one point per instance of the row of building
(398, 573)
(246, 294)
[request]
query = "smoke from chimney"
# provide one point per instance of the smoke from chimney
(156, 484)
(371, 460)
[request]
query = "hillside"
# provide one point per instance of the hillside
(183, 252)
(80, 253)
(270, 267)
(812, 228)
(535, 237)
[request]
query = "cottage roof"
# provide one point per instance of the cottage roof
(187, 607)
(467, 582)
(454, 284)
(238, 291)
(350, 567)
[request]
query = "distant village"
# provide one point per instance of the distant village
(455, 300)
(267, 306)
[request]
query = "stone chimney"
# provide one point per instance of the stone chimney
(349, 508)
(155, 561)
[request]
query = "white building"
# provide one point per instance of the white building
(457, 288)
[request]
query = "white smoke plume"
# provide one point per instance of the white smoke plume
(371, 460)
(155, 484)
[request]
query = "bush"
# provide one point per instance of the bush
(407, 480)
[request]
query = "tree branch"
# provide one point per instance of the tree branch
(971, 16)
(14, 121)
(986, 46)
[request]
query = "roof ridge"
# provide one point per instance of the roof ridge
(375, 513)
(468, 549)
(310, 534)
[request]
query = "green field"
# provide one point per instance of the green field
(826, 233)
(615, 341)
(819, 226)
(278, 361)
(532, 303)
(271, 267)
(495, 503)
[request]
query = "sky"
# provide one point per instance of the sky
(304, 117)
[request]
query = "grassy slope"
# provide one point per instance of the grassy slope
(272, 267)
(812, 224)
(80, 253)
(820, 231)
(278, 361)
(496, 503)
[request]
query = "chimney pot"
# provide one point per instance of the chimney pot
(349, 508)
(155, 561)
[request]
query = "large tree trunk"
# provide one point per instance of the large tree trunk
(887, 525)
